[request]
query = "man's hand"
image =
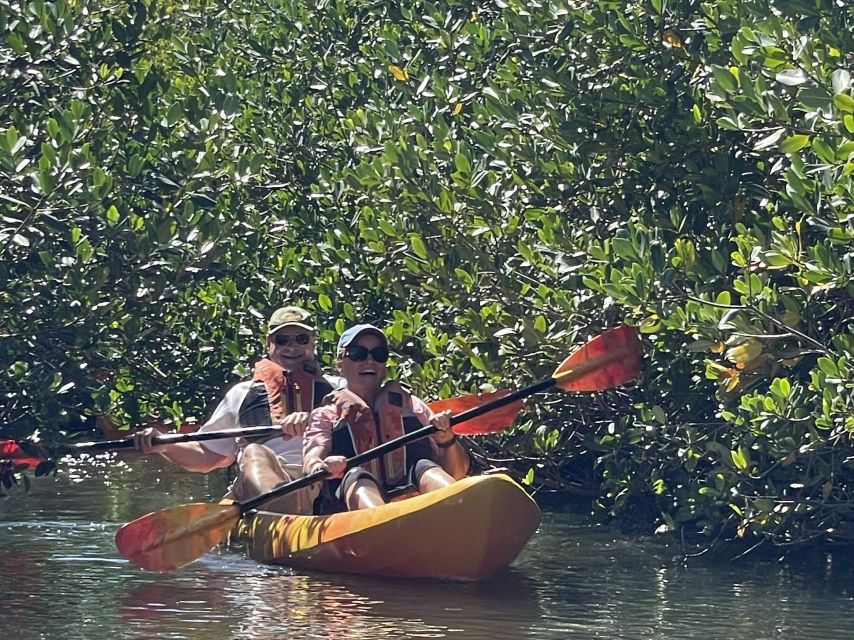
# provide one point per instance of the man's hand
(294, 424)
(142, 440)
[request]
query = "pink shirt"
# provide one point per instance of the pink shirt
(319, 430)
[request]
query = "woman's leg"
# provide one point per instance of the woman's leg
(429, 476)
(360, 490)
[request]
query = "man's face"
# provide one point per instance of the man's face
(291, 346)
(365, 374)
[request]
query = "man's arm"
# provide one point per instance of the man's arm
(192, 456)
(195, 456)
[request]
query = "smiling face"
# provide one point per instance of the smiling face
(290, 347)
(364, 377)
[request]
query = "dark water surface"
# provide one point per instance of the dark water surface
(60, 577)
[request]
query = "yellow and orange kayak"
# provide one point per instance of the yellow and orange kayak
(465, 531)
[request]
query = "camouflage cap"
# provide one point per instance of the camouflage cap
(289, 316)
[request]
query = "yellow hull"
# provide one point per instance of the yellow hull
(466, 531)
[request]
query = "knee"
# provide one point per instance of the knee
(356, 478)
(430, 476)
(256, 453)
(422, 468)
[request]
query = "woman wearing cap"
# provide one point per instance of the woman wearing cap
(285, 387)
(365, 415)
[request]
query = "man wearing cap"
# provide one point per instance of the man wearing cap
(285, 387)
(368, 413)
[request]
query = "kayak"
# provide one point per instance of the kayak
(466, 531)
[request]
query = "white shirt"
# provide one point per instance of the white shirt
(227, 416)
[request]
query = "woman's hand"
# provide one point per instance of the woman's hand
(334, 465)
(442, 422)
(142, 440)
(294, 424)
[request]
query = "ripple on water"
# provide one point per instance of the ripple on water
(61, 577)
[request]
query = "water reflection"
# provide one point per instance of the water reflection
(60, 577)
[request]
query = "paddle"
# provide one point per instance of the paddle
(29, 454)
(170, 538)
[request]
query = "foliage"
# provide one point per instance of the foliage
(494, 181)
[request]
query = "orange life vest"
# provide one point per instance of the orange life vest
(289, 391)
(360, 428)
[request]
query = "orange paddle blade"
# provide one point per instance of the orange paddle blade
(170, 538)
(610, 359)
(492, 422)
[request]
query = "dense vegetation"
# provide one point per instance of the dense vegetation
(494, 181)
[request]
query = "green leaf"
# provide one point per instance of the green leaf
(725, 78)
(462, 163)
(823, 150)
(529, 477)
(624, 248)
(112, 215)
(175, 113)
(324, 302)
(477, 362)
(464, 276)
(828, 366)
(844, 102)
(795, 143)
(741, 458)
(418, 246)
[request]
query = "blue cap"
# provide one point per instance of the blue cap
(353, 332)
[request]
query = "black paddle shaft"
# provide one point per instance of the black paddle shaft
(391, 445)
(172, 438)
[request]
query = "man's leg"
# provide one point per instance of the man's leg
(262, 471)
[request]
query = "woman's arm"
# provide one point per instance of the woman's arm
(317, 439)
(449, 452)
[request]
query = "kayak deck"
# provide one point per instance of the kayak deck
(465, 531)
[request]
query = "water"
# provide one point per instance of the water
(60, 577)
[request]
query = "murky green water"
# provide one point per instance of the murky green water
(60, 577)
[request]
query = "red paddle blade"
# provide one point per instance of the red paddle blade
(170, 538)
(492, 422)
(610, 359)
(11, 453)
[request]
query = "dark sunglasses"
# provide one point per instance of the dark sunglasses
(281, 339)
(358, 353)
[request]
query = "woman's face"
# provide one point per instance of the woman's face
(364, 377)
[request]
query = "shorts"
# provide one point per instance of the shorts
(413, 480)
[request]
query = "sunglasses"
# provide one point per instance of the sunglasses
(358, 353)
(281, 339)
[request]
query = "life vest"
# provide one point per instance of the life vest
(290, 391)
(360, 428)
